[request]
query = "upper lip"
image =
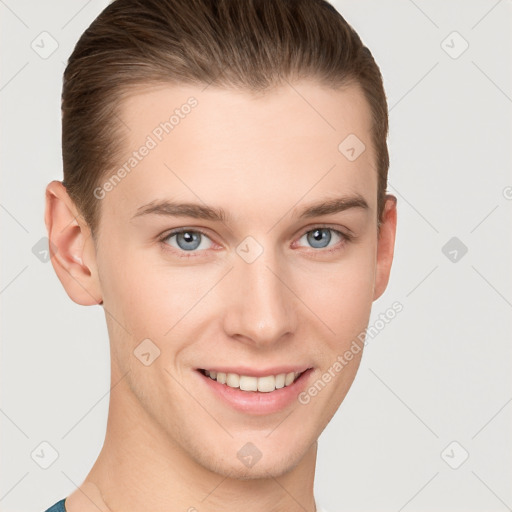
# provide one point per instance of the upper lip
(253, 372)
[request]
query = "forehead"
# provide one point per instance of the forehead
(301, 140)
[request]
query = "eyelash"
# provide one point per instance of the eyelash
(346, 238)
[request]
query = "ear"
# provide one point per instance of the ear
(72, 250)
(385, 246)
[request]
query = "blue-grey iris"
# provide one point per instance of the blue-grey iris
(191, 239)
(318, 236)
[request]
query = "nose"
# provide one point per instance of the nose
(260, 309)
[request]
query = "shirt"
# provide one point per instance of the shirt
(58, 507)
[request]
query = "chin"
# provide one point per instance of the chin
(259, 471)
(275, 465)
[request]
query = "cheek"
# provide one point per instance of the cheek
(149, 296)
(153, 298)
(135, 293)
(341, 295)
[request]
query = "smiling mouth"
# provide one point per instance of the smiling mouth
(264, 384)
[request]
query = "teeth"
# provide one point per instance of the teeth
(246, 383)
(280, 380)
(266, 384)
(233, 380)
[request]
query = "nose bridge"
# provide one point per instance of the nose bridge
(261, 306)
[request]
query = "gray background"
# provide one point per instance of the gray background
(434, 385)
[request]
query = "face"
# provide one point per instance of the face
(242, 241)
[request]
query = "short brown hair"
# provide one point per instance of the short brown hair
(244, 44)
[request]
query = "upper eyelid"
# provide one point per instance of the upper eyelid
(177, 231)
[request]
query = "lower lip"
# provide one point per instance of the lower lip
(257, 402)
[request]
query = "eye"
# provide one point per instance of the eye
(188, 240)
(321, 237)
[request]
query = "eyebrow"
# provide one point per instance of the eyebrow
(205, 212)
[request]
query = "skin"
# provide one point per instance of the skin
(170, 443)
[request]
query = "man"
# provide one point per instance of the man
(224, 200)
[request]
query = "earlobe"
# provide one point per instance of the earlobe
(385, 246)
(71, 247)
